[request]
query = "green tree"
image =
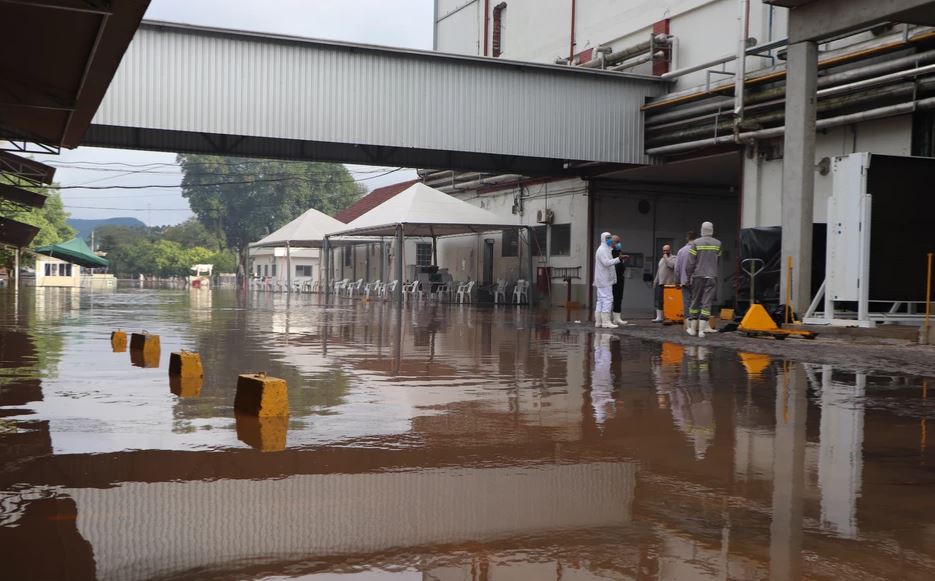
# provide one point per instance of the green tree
(241, 200)
(189, 233)
(50, 219)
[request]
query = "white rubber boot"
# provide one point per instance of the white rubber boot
(693, 327)
(659, 317)
(616, 320)
(606, 323)
(702, 326)
(710, 328)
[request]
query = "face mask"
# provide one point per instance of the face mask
(610, 242)
(619, 246)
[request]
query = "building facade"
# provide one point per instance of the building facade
(716, 145)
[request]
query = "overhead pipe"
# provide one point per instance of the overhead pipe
(488, 181)
(613, 58)
(829, 123)
(638, 61)
(571, 48)
(879, 47)
(864, 72)
(486, 26)
(839, 102)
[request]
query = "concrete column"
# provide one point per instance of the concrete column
(798, 174)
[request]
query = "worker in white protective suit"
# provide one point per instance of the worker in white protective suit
(605, 275)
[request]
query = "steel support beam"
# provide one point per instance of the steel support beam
(798, 173)
(823, 19)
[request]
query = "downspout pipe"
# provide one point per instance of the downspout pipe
(486, 26)
(571, 46)
(740, 76)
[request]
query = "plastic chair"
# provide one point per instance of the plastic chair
(442, 289)
(499, 292)
(412, 289)
(339, 286)
(354, 288)
(389, 289)
(521, 292)
(464, 292)
(371, 287)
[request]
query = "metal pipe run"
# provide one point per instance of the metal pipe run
(614, 58)
(869, 115)
(857, 74)
(740, 84)
(777, 115)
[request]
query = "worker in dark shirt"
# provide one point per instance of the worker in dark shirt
(617, 252)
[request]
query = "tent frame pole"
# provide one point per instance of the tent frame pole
(529, 267)
(326, 260)
(399, 265)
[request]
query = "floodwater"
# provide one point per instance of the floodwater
(444, 443)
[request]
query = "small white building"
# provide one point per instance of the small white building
(52, 272)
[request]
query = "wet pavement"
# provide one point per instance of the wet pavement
(441, 442)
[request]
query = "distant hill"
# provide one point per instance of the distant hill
(84, 227)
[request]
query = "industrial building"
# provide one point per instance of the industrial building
(715, 146)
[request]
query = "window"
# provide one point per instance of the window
(560, 243)
(273, 269)
(539, 240)
(265, 270)
(510, 243)
(346, 251)
(303, 270)
(423, 254)
(67, 268)
(48, 269)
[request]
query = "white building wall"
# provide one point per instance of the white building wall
(540, 30)
(762, 204)
(568, 200)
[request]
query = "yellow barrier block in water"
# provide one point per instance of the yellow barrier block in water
(264, 434)
(262, 396)
(144, 342)
(185, 364)
(185, 386)
(118, 341)
(145, 357)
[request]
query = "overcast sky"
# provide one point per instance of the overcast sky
(404, 23)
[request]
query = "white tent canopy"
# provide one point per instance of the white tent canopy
(425, 211)
(306, 231)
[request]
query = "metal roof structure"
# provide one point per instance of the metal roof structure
(205, 90)
(58, 59)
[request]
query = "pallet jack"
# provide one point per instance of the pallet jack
(757, 322)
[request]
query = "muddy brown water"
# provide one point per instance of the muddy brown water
(441, 442)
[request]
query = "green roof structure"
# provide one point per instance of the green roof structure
(75, 251)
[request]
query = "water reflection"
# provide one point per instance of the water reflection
(443, 443)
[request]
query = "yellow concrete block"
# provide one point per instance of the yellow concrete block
(118, 341)
(145, 357)
(185, 364)
(267, 434)
(261, 395)
(185, 386)
(144, 341)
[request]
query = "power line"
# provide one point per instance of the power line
(224, 183)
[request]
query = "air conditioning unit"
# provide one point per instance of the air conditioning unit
(545, 216)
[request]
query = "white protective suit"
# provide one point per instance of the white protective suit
(604, 278)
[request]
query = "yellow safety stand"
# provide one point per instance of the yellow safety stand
(672, 307)
(757, 322)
